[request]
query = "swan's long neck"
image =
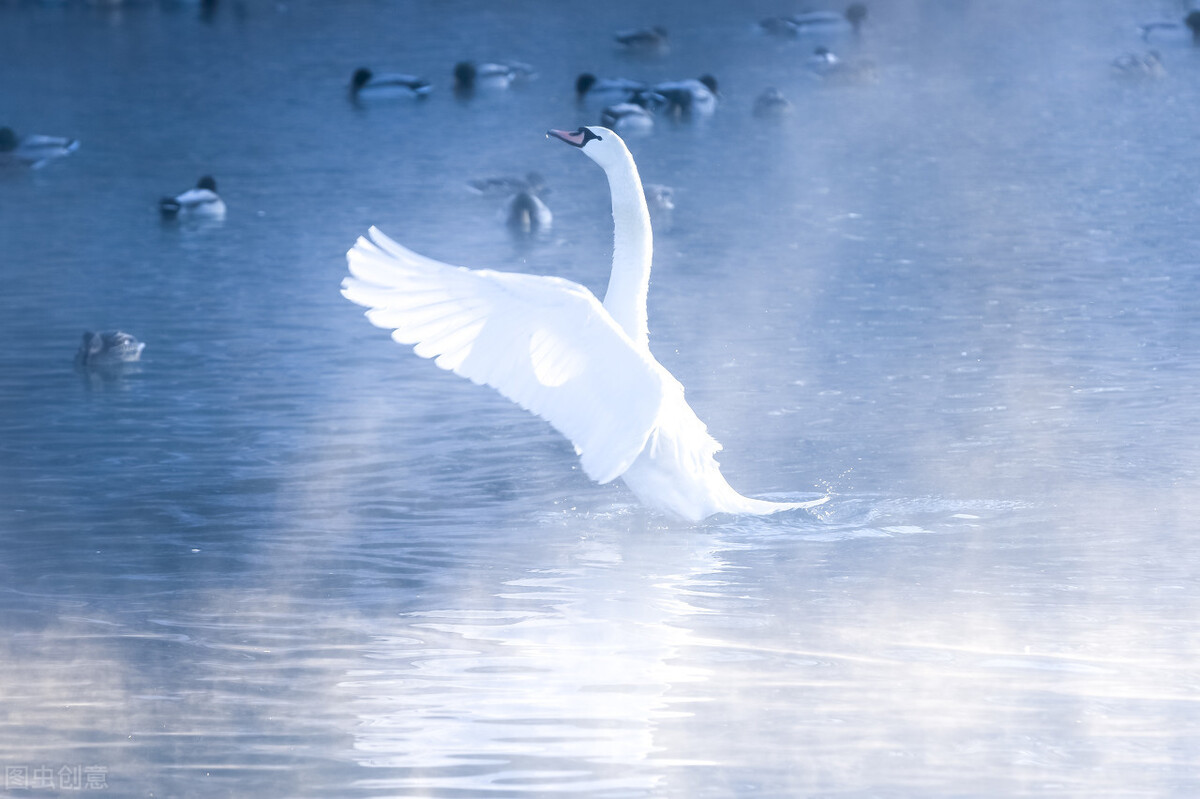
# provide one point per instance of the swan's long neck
(633, 249)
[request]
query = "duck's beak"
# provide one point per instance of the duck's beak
(575, 139)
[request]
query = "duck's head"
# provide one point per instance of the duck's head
(535, 184)
(107, 348)
(207, 182)
(464, 75)
(362, 76)
(855, 14)
(584, 83)
(1192, 20)
(598, 143)
(8, 140)
(710, 82)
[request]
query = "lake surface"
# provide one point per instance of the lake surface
(284, 557)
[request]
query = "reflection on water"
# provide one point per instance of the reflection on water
(280, 556)
(557, 682)
(595, 659)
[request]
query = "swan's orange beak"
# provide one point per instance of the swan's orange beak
(575, 139)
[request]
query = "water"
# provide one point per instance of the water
(284, 557)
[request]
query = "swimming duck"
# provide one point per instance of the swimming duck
(1186, 31)
(822, 61)
(771, 104)
(611, 91)
(832, 69)
(644, 41)
(366, 85)
(660, 200)
(202, 202)
(507, 185)
(783, 27)
(525, 214)
(1138, 67)
(34, 150)
(817, 23)
(627, 118)
(688, 98)
(523, 211)
(108, 348)
(470, 76)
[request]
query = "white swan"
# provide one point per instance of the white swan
(550, 346)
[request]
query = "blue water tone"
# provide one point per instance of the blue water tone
(953, 285)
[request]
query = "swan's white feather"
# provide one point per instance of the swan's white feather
(543, 342)
(550, 346)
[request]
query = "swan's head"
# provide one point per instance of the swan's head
(598, 143)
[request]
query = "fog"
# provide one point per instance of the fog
(955, 290)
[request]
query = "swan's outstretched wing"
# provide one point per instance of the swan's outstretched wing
(545, 343)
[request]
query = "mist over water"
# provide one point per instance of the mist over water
(283, 556)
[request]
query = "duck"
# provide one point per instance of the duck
(694, 97)
(34, 150)
(771, 104)
(1185, 31)
(366, 85)
(612, 91)
(660, 200)
(824, 64)
(108, 348)
(507, 185)
(489, 76)
(1139, 67)
(526, 214)
(783, 27)
(822, 61)
(549, 345)
(202, 202)
(830, 22)
(644, 41)
(627, 118)
(522, 210)
(817, 23)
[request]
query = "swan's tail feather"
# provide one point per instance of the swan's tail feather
(764, 507)
(728, 500)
